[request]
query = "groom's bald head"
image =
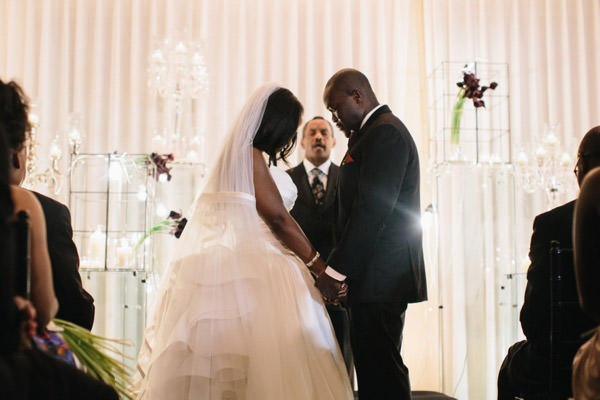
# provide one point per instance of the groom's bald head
(349, 96)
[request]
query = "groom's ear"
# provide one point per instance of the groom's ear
(356, 96)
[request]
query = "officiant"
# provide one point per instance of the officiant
(315, 209)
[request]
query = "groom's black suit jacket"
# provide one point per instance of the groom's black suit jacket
(316, 221)
(378, 230)
(74, 303)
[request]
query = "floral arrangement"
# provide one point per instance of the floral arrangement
(173, 225)
(160, 161)
(468, 89)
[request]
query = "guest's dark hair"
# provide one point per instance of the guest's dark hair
(277, 132)
(9, 334)
(13, 114)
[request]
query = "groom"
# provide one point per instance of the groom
(378, 251)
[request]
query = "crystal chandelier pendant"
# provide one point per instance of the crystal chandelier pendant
(178, 75)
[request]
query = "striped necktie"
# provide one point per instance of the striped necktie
(318, 190)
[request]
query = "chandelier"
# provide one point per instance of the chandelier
(177, 71)
(51, 177)
(548, 168)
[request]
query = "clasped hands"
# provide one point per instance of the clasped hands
(333, 291)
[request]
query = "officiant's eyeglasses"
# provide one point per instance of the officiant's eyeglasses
(580, 157)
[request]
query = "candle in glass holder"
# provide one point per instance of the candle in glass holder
(565, 160)
(97, 243)
(551, 140)
(124, 254)
(180, 48)
(55, 152)
(540, 155)
(522, 160)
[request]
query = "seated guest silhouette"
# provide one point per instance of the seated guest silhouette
(26, 373)
(586, 236)
(75, 304)
(525, 370)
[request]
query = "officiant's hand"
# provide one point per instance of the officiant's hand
(332, 290)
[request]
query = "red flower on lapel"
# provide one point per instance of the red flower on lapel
(347, 159)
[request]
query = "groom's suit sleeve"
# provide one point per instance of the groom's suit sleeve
(383, 155)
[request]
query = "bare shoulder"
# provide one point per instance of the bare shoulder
(589, 195)
(23, 199)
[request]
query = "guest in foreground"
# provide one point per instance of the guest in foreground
(13, 116)
(525, 370)
(25, 372)
(75, 304)
(586, 237)
(378, 248)
(238, 316)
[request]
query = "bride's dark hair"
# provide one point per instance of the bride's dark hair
(277, 132)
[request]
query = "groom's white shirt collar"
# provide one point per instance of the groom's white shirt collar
(366, 118)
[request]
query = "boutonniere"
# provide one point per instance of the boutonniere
(347, 159)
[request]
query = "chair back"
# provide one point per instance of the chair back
(22, 255)
(567, 320)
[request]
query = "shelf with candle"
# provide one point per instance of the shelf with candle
(484, 131)
(95, 250)
(110, 201)
(125, 255)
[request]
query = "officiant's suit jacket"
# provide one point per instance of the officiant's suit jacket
(74, 303)
(378, 230)
(316, 221)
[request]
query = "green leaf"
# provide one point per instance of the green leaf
(456, 116)
(162, 226)
(100, 356)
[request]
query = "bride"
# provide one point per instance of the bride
(238, 316)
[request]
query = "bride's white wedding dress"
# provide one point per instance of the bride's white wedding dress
(238, 315)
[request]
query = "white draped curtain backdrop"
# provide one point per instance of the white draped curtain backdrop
(91, 57)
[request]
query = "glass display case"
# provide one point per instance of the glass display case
(115, 200)
(110, 197)
(109, 201)
(484, 132)
(480, 285)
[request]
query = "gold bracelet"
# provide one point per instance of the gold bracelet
(311, 262)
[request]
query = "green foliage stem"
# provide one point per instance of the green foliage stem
(456, 116)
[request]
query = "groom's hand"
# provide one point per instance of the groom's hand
(331, 289)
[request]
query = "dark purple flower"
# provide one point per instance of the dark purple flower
(160, 163)
(471, 89)
(174, 215)
(178, 230)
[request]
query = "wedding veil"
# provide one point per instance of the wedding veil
(225, 211)
(233, 169)
(224, 223)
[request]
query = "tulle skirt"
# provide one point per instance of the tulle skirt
(240, 319)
